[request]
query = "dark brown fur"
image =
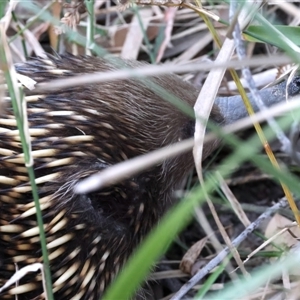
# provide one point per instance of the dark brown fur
(111, 121)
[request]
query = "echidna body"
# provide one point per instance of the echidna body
(77, 132)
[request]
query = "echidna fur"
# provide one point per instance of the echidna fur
(76, 132)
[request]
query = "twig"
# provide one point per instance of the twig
(157, 70)
(130, 167)
(219, 258)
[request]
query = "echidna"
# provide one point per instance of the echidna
(77, 132)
